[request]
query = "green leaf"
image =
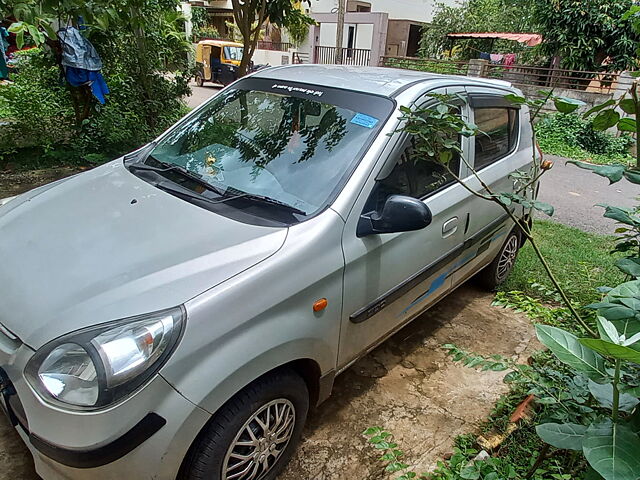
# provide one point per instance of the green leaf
(605, 119)
(611, 349)
(597, 108)
(613, 172)
(627, 125)
(569, 350)
(620, 214)
(372, 431)
(630, 266)
(544, 207)
(470, 472)
(604, 395)
(515, 99)
(628, 106)
(567, 105)
(632, 176)
(634, 422)
(567, 436)
(612, 450)
(20, 39)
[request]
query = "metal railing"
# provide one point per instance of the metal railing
(278, 46)
(449, 67)
(350, 56)
(590, 81)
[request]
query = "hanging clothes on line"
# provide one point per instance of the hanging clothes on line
(496, 57)
(4, 70)
(485, 56)
(509, 59)
(81, 62)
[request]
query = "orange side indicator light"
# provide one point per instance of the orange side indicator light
(320, 304)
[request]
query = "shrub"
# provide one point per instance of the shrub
(35, 105)
(37, 110)
(564, 134)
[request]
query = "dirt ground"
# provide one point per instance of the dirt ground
(407, 385)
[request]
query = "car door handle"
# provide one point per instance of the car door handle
(449, 227)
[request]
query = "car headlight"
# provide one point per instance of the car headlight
(98, 366)
(5, 200)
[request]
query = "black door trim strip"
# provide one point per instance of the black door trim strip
(399, 290)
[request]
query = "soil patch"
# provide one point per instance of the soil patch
(14, 183)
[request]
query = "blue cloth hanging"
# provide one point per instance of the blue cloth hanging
(79, 76)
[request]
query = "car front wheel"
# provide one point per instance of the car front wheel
(255, 433)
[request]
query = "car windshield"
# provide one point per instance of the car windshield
(292, 149)
(233, 53)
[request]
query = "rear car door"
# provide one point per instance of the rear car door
(495, 152)
(391, 278)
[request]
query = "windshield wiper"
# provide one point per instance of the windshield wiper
(169, 167)
(273, 201)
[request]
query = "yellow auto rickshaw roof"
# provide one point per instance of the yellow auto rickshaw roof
(220, 43)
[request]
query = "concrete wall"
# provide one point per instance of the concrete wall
(590, 98)
(420, 11)
(397, 37)
(272, 57)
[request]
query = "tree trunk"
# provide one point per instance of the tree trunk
(245, 14)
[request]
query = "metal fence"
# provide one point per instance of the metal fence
(350, 56)
(426, 65)
(278, 46)
(590, 81)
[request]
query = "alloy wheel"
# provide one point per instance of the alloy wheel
(507, 258)
(260, 442)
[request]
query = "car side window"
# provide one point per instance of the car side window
(412, 176)
(498, 134)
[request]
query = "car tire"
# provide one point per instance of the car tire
(278, 401)
(199, 81)
(499, 269)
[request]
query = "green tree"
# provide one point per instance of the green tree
(475, 16)
(585, 33)
(251, 15)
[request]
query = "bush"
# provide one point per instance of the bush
(572, 136)
(37, 109)
(35, 105)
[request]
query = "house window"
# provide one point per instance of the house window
(498, 134)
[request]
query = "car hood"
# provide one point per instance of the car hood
(105, 245)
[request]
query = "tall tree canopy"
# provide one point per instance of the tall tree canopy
(476, 16)
(250, 16)
(584, 33)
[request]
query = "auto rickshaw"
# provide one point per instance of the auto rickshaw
(217, 61)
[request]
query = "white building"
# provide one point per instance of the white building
(403, 25)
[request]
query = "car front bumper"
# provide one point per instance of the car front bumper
(145, 436)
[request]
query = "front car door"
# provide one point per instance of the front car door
(495, 152)
(390, 278)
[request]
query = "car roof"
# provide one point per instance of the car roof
(377, 80)
(219, 43)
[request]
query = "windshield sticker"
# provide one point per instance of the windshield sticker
(364, 120)
(306, 91)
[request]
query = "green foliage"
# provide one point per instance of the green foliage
(570, 135)
(205, 31)
(584, 33)
(442, 66)
(44, 122)
(475, 16)
(144, 52)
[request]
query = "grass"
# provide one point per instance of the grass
(580, 261)
(577, 153)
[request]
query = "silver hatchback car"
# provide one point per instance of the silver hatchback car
(176, 312)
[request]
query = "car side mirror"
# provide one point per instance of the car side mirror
(400, 213)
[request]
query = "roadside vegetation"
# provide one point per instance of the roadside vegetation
(573, 410)
(145, 64)
(571, 136)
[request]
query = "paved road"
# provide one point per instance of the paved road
(572, 191)
(200, 94)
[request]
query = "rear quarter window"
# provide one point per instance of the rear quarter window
(498, 135)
